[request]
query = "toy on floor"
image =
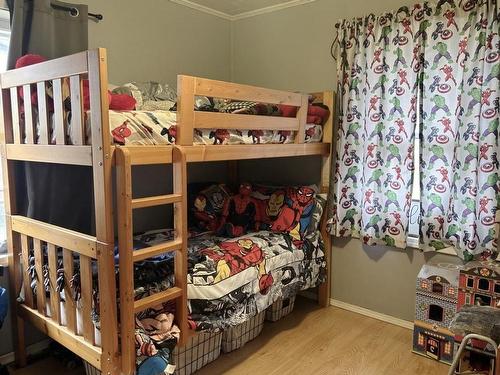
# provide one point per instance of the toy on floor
(479, 284)
(436, 305)
(477, 328)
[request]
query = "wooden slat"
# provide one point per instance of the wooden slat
(69, 304)
(155, 201)
(143, 155)
(329, 101)
(152, 251)
(157, 298)
(78, 242)
(181, 234)
(185, 110)
(239, 152)
(28, 292)
(77, 121)
(324, 290)
(46, 71)
(103, 206)
(302, 119)
(59, 128)
(229, 90)
(86, 284)
(217, 120)
(14, 103)
(125, 246)
(60, 154)
(28, 114)
(40, 288)
(55, 299)
(64, 336)
(43, 124)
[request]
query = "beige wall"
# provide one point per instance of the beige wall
(290, 49)
(157, 39)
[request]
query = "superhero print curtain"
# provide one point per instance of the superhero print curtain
(459, 132)
(442, 59)
(377, 67)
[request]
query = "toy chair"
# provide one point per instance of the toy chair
(479, 325)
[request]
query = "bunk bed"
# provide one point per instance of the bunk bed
(28, 139)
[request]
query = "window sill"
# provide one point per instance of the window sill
(414, 244)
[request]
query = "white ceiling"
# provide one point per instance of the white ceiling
(237, 9)
(234, 7)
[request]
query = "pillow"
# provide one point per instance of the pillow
(295, 215)
(207, 206)
(270, 200)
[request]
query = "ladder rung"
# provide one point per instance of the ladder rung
(152, 251)
(156, 299)
(156, 201)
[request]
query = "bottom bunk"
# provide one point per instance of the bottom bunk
(231, 284)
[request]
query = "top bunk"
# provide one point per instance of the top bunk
(68, 120)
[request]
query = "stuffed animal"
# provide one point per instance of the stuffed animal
(118, 102)
(317, 113)
(240, 213)
(208, 206)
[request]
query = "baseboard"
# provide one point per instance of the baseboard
(35, 348)
(372, 314)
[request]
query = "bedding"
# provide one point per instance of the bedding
(159, 127)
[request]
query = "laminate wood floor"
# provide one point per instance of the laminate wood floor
(312, 341)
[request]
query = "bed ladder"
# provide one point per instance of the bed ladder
(125, 159)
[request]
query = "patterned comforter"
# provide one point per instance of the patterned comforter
(159, 128)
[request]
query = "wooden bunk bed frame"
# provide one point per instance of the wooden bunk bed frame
(18, 144)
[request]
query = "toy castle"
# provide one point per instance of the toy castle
(436, 304)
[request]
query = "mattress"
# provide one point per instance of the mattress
(160, 128)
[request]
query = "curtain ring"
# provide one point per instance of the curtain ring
(74, 12)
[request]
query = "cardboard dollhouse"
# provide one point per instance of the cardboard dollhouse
(441, 291)
(436, 304)
(479, 284)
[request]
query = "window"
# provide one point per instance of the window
(424, 285)
(437, 288)
(482, 300)
(414, 216)
(421, 339)
(470, 282)
(436, 313)
(484, 284)
(4, 48)
(467, 299)
(447, 348)
(451, 291)
(497, 288)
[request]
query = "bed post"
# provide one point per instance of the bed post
(13, 245)
(185, 110)
(325, 288)
(302, 117)
(102, 168)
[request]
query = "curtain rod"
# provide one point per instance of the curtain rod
(75, 12)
